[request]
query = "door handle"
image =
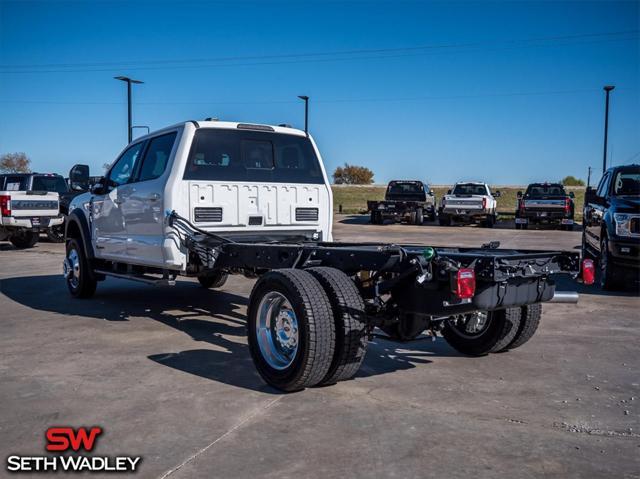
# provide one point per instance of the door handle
(154, 197)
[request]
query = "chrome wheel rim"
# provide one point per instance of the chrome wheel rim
(471, 325)
(277, 330)
(73, 273)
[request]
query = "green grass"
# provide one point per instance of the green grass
(354, 198)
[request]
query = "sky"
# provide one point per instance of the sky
(504, 92)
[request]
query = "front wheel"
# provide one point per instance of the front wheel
(290, 329)
(608, 275)
(444, 220)
(24, 239)
(482, 332)
(80, 279)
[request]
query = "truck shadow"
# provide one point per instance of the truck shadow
(213, 317)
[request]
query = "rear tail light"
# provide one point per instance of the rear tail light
(465, 283)
(5, 205)
(521, 206)
(588, 271)
(484, 203)
(567, 205)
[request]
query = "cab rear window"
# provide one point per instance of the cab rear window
(49, 183)
(254, 156)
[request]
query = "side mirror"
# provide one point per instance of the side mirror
(431, 193)
(79, 178)
(448, 192)
(99, 187)
(497, 194)
(519, 194)
(572, 194)
(590, 195)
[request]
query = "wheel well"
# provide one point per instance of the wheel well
(73, 230)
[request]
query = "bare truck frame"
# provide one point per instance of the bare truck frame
(481, 300)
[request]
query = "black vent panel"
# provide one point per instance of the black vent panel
(208, 215)
(306, 214)
(255, 220)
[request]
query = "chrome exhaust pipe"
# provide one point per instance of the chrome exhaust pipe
(564, 297)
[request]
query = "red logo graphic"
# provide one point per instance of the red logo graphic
(65, 438)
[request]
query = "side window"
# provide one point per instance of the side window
(157, 156)
(122, 170)
(16, 183)
(603, 187)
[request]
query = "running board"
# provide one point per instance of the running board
(140, 278)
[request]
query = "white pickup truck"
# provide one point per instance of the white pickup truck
(208, 199)
(27, 207)
(468, 203)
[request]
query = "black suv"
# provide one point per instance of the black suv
(611, 231)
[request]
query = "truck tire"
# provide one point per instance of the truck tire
(376, 218)
(609, 280)
(79, 277)
(213, 280)
(498, 331)
(55, 234)
(530, 316)
(350, 325)
(290, 329)
(490, 221)
(432, 216)
(586, 254)
(24, 239)
(419, 217)
(444, 220)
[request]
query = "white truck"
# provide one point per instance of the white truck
(208, 199)
(468, 203)
(29, 205)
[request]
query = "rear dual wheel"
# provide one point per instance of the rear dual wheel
(482, 333)
(24, 239)
(306, 328)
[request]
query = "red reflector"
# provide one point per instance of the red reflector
(465, 283)
(484, 203)
(588, 271)
(5, 205)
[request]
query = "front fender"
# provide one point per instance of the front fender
(77, 224)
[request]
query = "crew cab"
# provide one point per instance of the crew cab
(611, 226)
(404, 200)
(29, 205)
(208, 199)
(468, 203)
(545, 203)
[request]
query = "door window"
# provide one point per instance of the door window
(123, 168)
(157, 156)
(603, 187)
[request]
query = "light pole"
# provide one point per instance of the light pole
(607, 89)
(129, 81)
(305, 98)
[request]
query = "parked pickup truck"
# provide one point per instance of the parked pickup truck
(611, 227)
(545, 203)
(410, 201)
(208, 199)
(469, 203)
(29, 205)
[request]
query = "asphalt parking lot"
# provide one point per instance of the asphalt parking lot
(167, 374)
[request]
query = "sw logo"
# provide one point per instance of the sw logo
(65, 438)
(73, 442)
